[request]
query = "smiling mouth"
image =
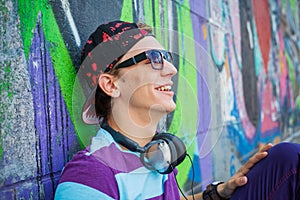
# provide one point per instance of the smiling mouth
(166, 88)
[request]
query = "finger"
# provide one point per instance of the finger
(251, 162)
(246, 167)
(233, 183)
(242, 180)
(242, 171)
(266, 147)
(225, 190)
(260, 155)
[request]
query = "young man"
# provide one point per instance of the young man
(131, 77)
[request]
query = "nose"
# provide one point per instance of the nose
(169, 69)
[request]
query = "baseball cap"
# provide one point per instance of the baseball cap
(103, 49)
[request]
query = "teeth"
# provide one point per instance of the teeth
(164, 88)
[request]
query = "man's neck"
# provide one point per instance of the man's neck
(139, 127)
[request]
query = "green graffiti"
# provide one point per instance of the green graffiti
(184, 122)
(148, 13)
(294, 7)
(127, 11)
(153, 11)
(292, 75)
(298, 102)
(6, 95)
(63, 66)
(4, 86)
(257, 53)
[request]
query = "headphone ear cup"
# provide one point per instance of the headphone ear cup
(177, 149)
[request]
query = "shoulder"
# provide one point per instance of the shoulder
(85, 173)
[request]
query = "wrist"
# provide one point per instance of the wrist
(220, 191)
(213, 191)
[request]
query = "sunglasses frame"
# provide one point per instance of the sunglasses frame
(143, 56)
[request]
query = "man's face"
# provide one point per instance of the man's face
(143, 88)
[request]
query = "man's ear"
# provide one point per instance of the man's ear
(107, 83)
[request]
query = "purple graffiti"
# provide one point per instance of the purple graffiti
(203, 96)
(55, 132)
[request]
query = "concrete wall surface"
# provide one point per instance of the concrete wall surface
(237, 86)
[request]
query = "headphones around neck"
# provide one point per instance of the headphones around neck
(162, 154)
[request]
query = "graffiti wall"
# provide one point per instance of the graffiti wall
(237, 86)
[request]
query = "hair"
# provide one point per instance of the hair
(102, 100)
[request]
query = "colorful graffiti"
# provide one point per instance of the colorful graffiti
(237, 86)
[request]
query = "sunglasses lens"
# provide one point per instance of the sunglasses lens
(155, 58)
(167, 56)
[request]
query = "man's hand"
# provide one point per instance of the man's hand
(239, 179)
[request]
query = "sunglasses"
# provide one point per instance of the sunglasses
(155, 56)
